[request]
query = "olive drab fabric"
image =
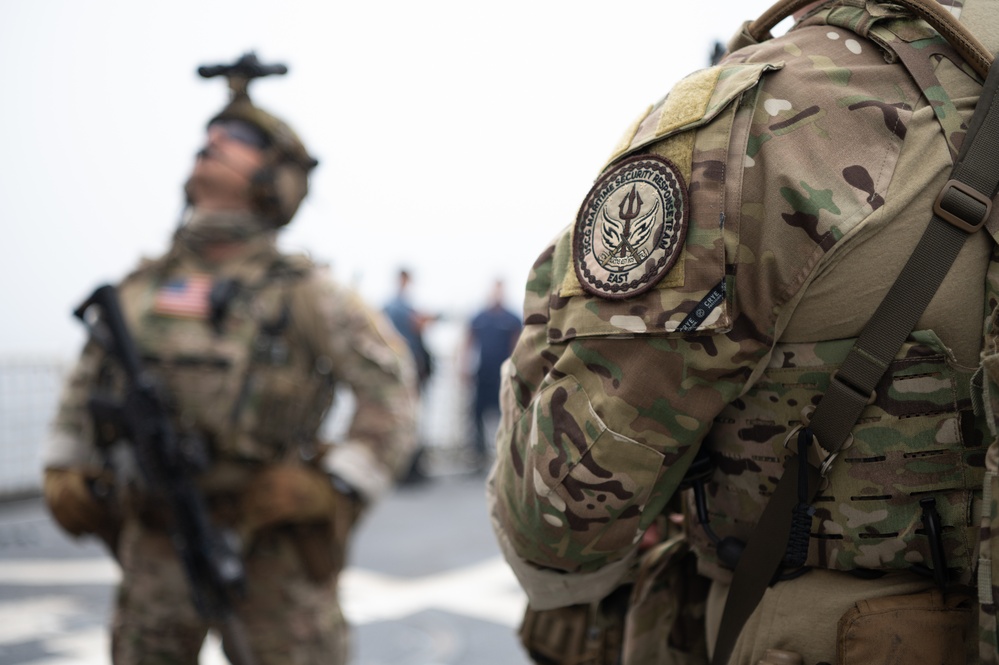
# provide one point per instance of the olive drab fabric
(807, 168)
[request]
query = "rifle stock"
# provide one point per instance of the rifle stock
(209, 555)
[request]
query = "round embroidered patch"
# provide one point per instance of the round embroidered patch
(630, 228)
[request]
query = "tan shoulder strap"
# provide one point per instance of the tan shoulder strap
(972, 50)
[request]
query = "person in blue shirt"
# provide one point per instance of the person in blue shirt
(410, 323)
(491, 336)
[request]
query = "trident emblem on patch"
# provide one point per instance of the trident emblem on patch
(623, 238)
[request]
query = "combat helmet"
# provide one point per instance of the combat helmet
(280, 186)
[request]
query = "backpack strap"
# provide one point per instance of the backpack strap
(961, 209)
(972, 50)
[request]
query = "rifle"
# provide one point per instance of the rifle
(168, 463)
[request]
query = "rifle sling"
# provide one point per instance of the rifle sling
(961, 209)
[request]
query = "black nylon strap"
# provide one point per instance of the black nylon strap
(756, 568)
(956, 213)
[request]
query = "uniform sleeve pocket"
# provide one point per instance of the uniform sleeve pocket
(589, 482)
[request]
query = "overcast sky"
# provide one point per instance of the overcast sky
(455, 138)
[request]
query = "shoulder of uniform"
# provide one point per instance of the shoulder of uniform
(550, 267)
(317, 288)
(299, 264)
(694, 101)
(146, 266)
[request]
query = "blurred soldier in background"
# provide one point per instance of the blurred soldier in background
(722, 320)
(249, 344)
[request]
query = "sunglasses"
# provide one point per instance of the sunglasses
(242, 132)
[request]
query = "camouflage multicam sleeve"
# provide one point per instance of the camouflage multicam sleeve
(597, 432)
(370, 358)
(631, 347)
(663, 302)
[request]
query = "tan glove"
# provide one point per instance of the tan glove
(72, 504)
(289, 494)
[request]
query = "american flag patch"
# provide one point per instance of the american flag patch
(184, 297)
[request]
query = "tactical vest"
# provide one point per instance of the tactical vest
(243, 361)
(918, 448)
(919, 439)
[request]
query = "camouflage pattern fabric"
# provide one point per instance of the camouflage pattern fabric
(988, 563)
(250, 345)
(811, 163)
(868, 514)
(578, 634)
(288, 617)
(666, 617)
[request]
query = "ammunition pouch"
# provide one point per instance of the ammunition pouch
(297, 502)
(667, 609)
(658, 619)
(288, 494)
(927, 627)
(585, 634)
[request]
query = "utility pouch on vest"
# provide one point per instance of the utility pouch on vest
(578, 634)
(928, 627)
(667, 609)
(316, 549)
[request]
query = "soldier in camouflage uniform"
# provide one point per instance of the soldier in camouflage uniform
(737, 241)
(250, 344)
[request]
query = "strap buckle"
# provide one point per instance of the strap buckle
(961, 212)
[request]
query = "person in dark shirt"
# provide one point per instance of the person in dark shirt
(491, 336)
